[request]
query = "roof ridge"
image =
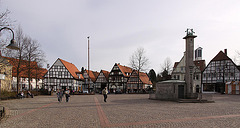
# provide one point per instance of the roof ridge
(220, 56)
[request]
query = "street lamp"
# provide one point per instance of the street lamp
(12, 45)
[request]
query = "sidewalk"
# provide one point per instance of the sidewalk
(125, 110)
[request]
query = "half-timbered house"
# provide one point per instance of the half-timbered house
(118, 78)
(62, 75)
(30, 74)
(90, 78)
(138, 82)
(220, 70)
(102, 81)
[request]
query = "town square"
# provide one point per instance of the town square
(137, 63)
(121, 110)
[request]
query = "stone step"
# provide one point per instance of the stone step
(194, 101)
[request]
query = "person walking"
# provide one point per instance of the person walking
(29, 94)
(59, 95)
(67, 95)
(105, 92)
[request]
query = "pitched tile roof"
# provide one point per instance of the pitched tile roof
(81, 77)
(144, 78)
(71, 68)
(35, 70)
(199, 63)
(220, 56)
(175, 64)
(125, 69)
(105, 73)
(41, 72)
(93, 75)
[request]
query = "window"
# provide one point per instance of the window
(197, 77)
(199, 53)
(51, 74)
(174, 77)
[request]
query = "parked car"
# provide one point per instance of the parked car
(118, 92)
(85, 91)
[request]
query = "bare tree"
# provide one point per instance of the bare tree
(167, 66)
(34, 55)
(139, 61)
(166, 69)
(19, 55)
(4, 19)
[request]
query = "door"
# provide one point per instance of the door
(237, 89)
(180, 91)
(229, 89)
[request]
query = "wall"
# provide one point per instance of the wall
(167, 90)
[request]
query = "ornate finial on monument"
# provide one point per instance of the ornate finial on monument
(186, 31)
(189, 32)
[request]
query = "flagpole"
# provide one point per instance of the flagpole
(88, 65)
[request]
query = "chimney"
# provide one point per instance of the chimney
(225, 51)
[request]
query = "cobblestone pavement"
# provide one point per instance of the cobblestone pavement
(122, 110)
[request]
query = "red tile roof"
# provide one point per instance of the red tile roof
(41, 72)
(71, 68)
(144, 78)
(92, 74)
(35, 70)
(81, 77)
(125, 69)
(105, 73)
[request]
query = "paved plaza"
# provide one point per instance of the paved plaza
(120, 110)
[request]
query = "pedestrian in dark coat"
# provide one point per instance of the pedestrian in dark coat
(67, 95)
(59, 95)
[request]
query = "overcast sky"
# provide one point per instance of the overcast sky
(118, 27)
